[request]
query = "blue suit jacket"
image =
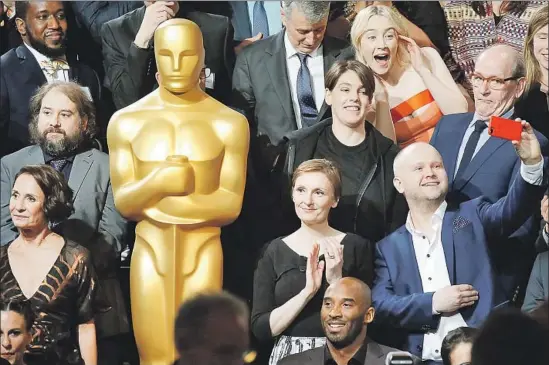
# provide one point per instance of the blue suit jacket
(470, 235)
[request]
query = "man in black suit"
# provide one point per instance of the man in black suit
(128, 50)
(40, 59)
(346, 312)
(278, 82)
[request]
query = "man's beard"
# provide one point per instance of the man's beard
(41, 46)
(62, 147)
(339, 341)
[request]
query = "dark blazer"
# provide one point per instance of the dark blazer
(261, 90)
(130, 71)
(470, 235)
(20, 76)
(95, 223)
(537, 290)
(375, 355)
(380, 210)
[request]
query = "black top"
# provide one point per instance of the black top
(65, 299)
(533, 108)
(353, 162)
(280, 275)
(358, 358)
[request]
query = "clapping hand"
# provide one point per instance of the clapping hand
(333, 254)
(314, 272)
(528, 147)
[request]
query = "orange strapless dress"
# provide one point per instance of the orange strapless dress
(420, 128)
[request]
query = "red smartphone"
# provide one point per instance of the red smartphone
(505, 128)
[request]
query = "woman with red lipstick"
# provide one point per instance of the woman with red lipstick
(53, 274)
(16, 320)
(414, 81)
(293, 273)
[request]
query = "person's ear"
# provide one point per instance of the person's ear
(398, 184)
(335, 203)
(328, 97)
(369, 316)
(21, 28)
(521, 85)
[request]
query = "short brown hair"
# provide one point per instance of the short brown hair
(76, 94)
(326, 167)
(58, 204)
(363, 72)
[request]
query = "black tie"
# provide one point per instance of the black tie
(305, 93)
(470, 147)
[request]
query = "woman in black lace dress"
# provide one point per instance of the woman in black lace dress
(53, 274)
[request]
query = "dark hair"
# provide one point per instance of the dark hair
(511, 7)
(510, 337)
(23, 307)
(194, 313)
(363, 72)
(58, 196)
(453, 338)
(76, 94)
(21, 8)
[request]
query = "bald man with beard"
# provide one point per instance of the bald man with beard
(346, 312)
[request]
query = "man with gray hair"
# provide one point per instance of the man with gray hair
(481, 165)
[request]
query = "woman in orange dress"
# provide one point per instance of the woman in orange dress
(415, 82)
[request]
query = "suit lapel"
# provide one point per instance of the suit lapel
(407, 251)
(447, 236)
(373, 354)
(36, 156)
(276, 68)
(31, 72)
(81, 165)
(491, 145)
(461, 128)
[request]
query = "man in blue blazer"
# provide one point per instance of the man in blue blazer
(481, 165)
(435, 273)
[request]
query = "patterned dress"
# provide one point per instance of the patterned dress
(64, 299)
(470, 33)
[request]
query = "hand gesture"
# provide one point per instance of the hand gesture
(528, 147)
(247, 42)
(416, 57)
(155, 14)
(452, 298)
(333, 254)
(380, 92)
(315, 270)
(175, 176)
(545, 208)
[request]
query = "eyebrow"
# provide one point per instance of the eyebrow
(62, 110)
(385, 31)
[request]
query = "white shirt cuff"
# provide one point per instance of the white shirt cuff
(532, 174)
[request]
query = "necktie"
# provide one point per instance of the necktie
(305, 97)
(52, 66)
(261, 23)
(58, 164)
(470, 147)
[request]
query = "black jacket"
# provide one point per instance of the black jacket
(130, 71)
(379, 208)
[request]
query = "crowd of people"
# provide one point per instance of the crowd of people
(380, 214)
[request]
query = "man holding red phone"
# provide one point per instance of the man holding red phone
(480, 163)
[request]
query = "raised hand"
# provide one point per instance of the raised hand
(528, 148)
(451, 298)
(416, 57)
(155, 14)
(314, 272)
(333, 253)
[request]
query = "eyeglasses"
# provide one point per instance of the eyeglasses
(494, 83)
(205, 73)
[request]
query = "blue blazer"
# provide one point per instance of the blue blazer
(470, 234)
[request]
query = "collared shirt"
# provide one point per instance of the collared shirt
(434, 276)
(357, 359)
(62, 75)
(243, 18)
(315, 63)
(484, 136)
(431, 262)
(66, 171)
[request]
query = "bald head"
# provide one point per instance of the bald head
(503, 57)
(354, 288)
(408, 156)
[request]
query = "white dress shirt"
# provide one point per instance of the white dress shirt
(315, 63)
(434, 272)
(484, 137)
(61, 75)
